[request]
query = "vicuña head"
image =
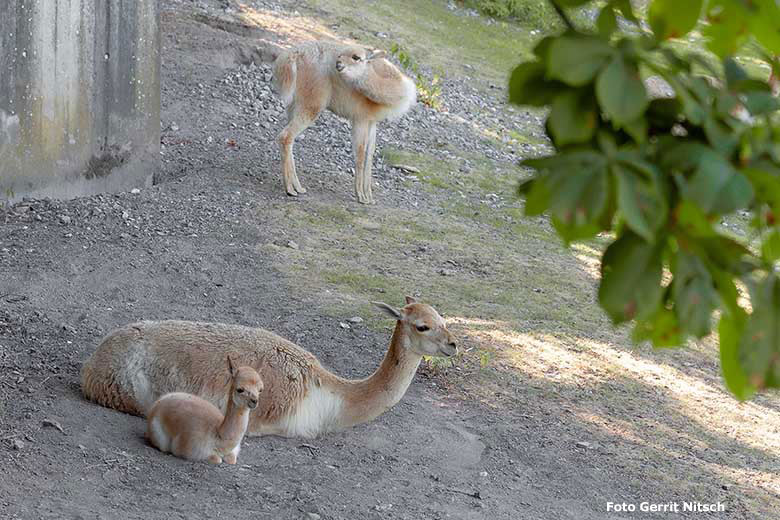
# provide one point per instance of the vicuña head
(137, 363)
(245, 386)
(353, 62)
(425, 332)
(192, 428)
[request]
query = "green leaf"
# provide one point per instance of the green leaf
(620, 91)
(538, 197)
(730, 329)
(624, 6)
(637, 129)
(572, 231)
(727, 28)
(673, 18)
(725, 103)
(640, 197)
(702, 90)
(765, 178)
(631, 278)
(606, 22)
(542, 47)
(770, 247)
(758, 103)
(720, 136)
(734, 72)
(727, 289)
(759, 344)
(676, 155)
(662, 329)
(724, 253)
(717, 187)
(576, 60)
(694, 294)
(574, 187)
(692, 220)
(764, 24)
(573, 118)
(528, 86)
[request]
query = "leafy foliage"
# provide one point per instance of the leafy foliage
(661, 174)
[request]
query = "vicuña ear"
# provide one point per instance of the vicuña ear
(393, 313)
(376, 54)
(410, 300)
(230, 367)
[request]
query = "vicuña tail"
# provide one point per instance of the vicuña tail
(284, 76)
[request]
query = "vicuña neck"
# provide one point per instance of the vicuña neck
(233, 427)
(365, 399)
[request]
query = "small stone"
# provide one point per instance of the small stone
(53, 424)
(174, 127)
(135, 191)
(125, 215)
(355, 319)
(292, 245)
(583, 444)
(65, 219)
(313, 516)
(537, 290)
(18, 445)
(483, 473)
(344, 325)
(446, 272)
(405, 168)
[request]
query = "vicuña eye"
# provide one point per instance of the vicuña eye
(240, 390)
(423, 328)
(356, 57)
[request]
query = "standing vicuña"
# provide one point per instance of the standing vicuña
(193, 428)
(137, 363)
(350, 81)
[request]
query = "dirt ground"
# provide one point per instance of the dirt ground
(548, 414)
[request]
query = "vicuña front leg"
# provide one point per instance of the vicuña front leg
(363, 142)
(287, 137)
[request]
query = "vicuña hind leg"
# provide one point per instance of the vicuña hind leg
(297, 124)
(363, 142)
(215, 459)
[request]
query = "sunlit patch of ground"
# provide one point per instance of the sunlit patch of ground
(293, 29)
(652, 404)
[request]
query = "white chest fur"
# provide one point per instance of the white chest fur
(317, 413)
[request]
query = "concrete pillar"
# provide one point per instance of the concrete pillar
(79, 96)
